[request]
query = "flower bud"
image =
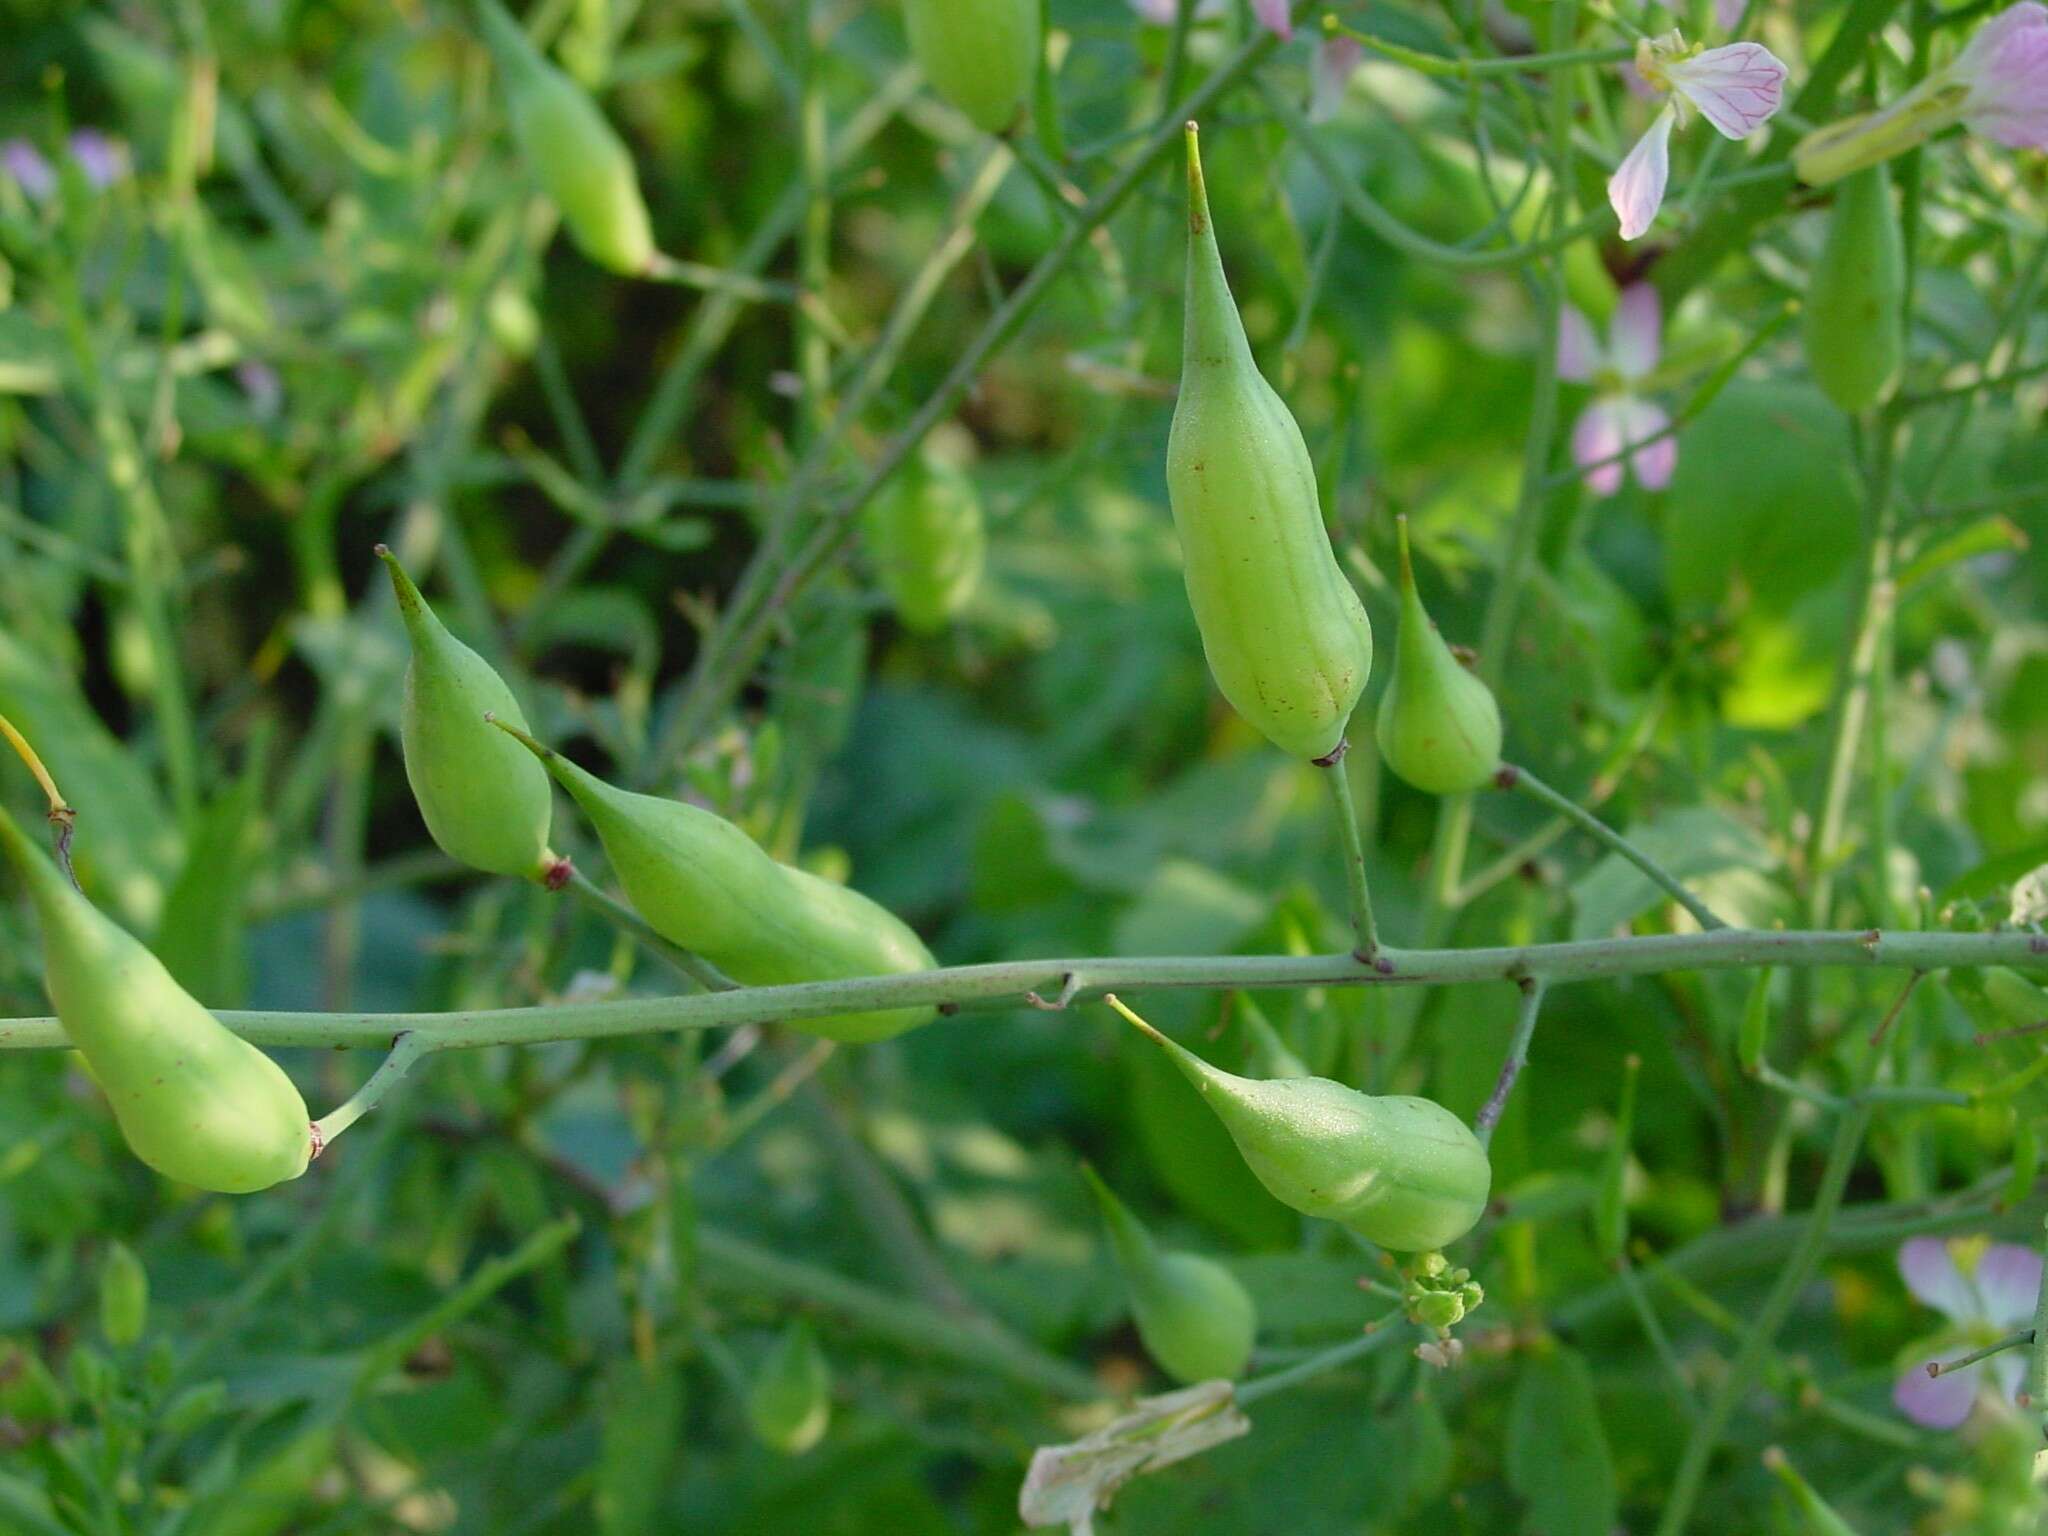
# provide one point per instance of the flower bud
(1855, 302)
(1402, 1172)
(124, 1296)
(1439, 727)
(1196, 1320)
(980, 55)
(572, 151)
(790, 1403)
(486, 801)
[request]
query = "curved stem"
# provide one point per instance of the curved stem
(1512, 777)
(682, 961)
(406, 1049)
(1511, 1067)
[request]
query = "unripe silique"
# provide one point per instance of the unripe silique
(980, 55)
(573, 152)
(1286, 636)
(701, 882)
(1194, 1317)
(1439, 727)
(1855, 302)
(194, 1100)
(926, 536)
(483, 797)
(1402, 1172)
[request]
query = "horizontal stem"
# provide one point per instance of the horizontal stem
(1010, 983)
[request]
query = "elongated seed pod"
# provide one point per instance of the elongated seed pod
(702, 883)
(1439, 727)
(1855, 303)
(928, 542)
(1402, 1172)
(484, 798)
(573, 152)
(195, 1101)
(789, 1405)
(1195, 1318)
(1286, 637)
(980, 55)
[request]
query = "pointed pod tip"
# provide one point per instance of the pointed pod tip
(1198, 192)
(1407, 564)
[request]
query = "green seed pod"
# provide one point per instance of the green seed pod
(572, 151)
(2018, 1001)
(1286, 637)
(124, 1296)
(1439, 727)
(485, 801)
(789, 1405)
(925, 535)
(192, 1409)
(702, 883)
(1402, 1172)
(195, 1101)
(1855, 303)
(981, 55)
(1196, 1320)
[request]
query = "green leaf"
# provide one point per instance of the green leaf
(1557, 1456)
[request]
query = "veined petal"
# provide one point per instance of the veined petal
(1636, 189)
(1636, 337)
(1596, 443)
(2008, 78)
(1736, 88)
(1930, 1273)
(1275, 16)
(1937, 1402)
(1578, 349)
(1337, 59)
(2008, 1279)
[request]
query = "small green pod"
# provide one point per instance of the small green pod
(980, 55)
(789, 1404)
(1855, 301)
(1404, 1173)
(927, 539)
(2018, 1001)
(124, 1296)
(1439, 727)
(702, 883)
(573, 152)
(1286, 636)
(195, 1101)
(1196, 1320)
(484, 799)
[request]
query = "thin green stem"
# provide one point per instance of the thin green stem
(1354, 860)
(1447, 68)
(1316, 1365)
(1522, 779)
(2010, 1341)
(1517, 1057)
(406, 1050)
(695, 967)
(1763, 1333)
(1015, 984)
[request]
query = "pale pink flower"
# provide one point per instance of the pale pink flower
(1275, 16)
(1728, 13)
(1986, 1291)
(1163, 13)
(26, 167)
(1619, 421)
(1337, 59)
(1737, 88)
(1997, 87)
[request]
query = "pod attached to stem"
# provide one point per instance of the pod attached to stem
(1439, 727)
(1196, 1320)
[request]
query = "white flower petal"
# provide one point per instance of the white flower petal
(1930, 1273)
(1596, 441)
(1636, 189)
(1337, 59)
(2008, 1280)
(1654, 461)
(1637, 334)
(1937, 1402)
(1578, 349)
(1736, 88)
(2009, 1373)
(1728, 13)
